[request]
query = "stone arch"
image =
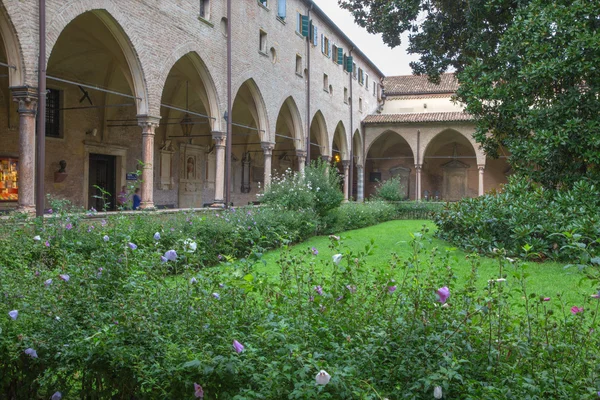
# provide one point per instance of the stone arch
(341, 140)
(12, 47)
(296, 122)
(115, 21)
(400, 132)
(357, 148)
(321, 134)
(259, 112)
(481, 157)
(190, 50)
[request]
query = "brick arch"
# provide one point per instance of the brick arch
(262, 117)
(475, 147)
(190, 49)
(299, 144)
(12, 47)
(344, 152)
(319, 118)
(399, 133)
(357, 147)
(116, 22)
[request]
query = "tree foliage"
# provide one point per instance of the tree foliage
(529, 73)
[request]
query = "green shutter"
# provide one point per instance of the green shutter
(340, 58)
(349, 62)
(305, 24)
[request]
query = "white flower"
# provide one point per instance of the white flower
(510, 259)
(190, 246)
(37, 238)
(437, 392)
(337, 258)
(157, 236)
(322, 377)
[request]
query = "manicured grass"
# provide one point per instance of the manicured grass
(545, 279)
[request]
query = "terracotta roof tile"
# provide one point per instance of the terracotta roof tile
(418, 84)
(417, 117)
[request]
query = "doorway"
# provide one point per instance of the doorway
(102, 182)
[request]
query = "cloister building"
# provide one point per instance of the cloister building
(132, 81)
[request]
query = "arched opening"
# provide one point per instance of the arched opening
(389, 156)
(357, 159)
(101, 125)
(288, 138)
(186, 160)
(449, 168)
(249, 131)
(339, 149)
(319, 139)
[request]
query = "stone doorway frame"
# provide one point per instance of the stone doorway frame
(119, 152)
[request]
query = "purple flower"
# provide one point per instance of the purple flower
(91, 228)
(56, 396)
(238, 347)
(392, 289)
(163, 259)
(47, 244)
(157, 236)
(132, 246)
(311, 299)
(69, 226)
(576, 310)
(103, 223)
(193, 281)
(216, 296)
(31, 353)
(13, 314)
(106, 238)
(546, 299)
(220, 257)
(64, 277)
(50, 211)
(339, 298)
(198, 392)
(48, 282)
(315, 251)
(596, 296)
(443, 294)
(351, 288)
(171, 255)
(319, 290)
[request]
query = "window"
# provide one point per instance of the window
(281, 12)
(325, 46)
(374, 88)
(204, 9)
(262, 44)
(263, 2)
(354, 72)
(298, 64)
(366, 81)
(302, 24)
(360, 104)
(299, 23)
(334, 54)
(346, 95)
(325, 83)
(53, 113)
(361, 76)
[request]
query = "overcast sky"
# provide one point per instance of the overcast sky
(390, 61)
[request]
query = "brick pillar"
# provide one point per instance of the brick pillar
(268, 152)
(301, 154)
(418, 169)
(149, 125)
(481, 171)
(346, 164)
(220, 139)
(26, 97)
(360, 183)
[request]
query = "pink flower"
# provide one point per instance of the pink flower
(47, 244)
(319, 290)
(198, 392)
(443, 293)
(546, 299)
(69, 226)
(238, 347)
(392, 289)
(576, 310)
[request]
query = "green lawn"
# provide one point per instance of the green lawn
(546, 279)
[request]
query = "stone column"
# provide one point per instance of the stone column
(346, 164)
(418, 169)
(481, 170)
(26, 97)
(220, 139)
(149, 125)
(326, 159)
(360, 183)
(268, 152)
(301, 154)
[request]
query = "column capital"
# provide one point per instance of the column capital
(418, 167)
(481, 167)
(219, 137)
(326, 158)
(26, 97)
(148, 123)
(301, 153)
(267, 148)
(346, 163)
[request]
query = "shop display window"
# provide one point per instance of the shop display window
(9, 179)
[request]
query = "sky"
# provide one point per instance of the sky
(390, 61)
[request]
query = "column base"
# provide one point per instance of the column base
(147, 206)
(30, 210)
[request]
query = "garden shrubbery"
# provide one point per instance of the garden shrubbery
(527, 219)
(117, 326)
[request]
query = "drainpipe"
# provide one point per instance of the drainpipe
(418, 168)
(41, 115)
(229, 116)
(308, 121)
(351, 178)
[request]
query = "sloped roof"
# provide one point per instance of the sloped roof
(418, 84)
(417, 117)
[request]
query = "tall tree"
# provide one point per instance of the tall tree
(529, 73)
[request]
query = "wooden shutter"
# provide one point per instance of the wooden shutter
(305, 25)
(340, 59)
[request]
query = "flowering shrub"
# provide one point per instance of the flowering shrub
(390, 190)
(525, 218)
(120, 328)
